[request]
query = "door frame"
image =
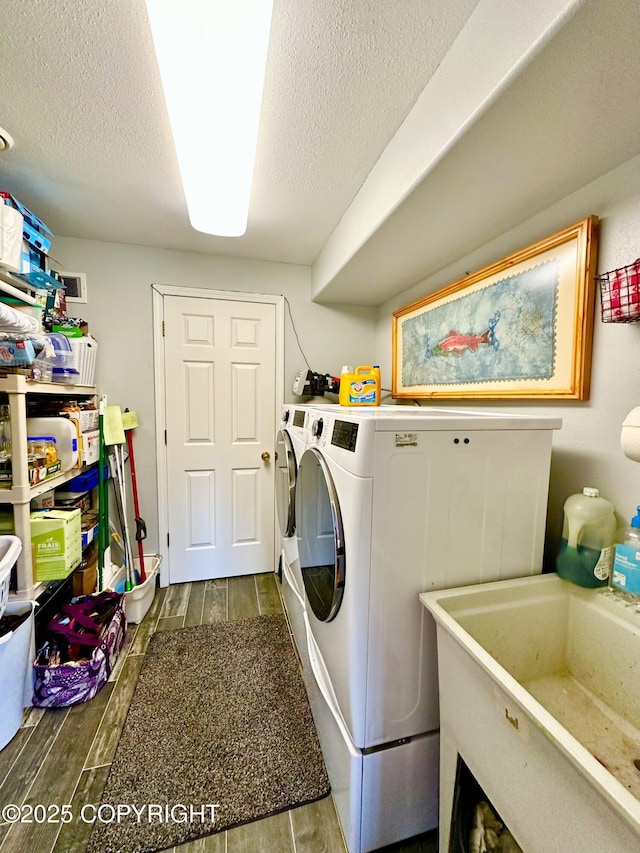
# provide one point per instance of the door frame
(158, 292)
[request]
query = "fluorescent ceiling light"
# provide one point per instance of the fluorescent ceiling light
(212, 56)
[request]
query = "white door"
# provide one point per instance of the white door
(220, 402)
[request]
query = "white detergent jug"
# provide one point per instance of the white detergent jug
(588, 533)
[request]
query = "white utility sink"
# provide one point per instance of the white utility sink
(540, 696)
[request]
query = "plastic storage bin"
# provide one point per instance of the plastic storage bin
(10, 549)
(64, 432)
(57, 361)
(16, 680)
(138, 600)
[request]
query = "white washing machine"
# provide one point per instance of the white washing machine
(291, 442)
(390, 504)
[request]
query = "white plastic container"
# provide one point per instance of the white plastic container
(64, 432)
(10, 550)
(17, 650)
(588, 534)
(138, 600)
(57, 361)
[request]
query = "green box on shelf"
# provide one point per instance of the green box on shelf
(55, 543)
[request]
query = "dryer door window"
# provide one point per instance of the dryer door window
(286, 484)
(320, 536)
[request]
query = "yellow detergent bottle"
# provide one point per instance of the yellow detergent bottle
(360, 388)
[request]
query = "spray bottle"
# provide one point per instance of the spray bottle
(625, 576)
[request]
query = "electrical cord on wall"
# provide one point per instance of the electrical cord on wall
(293, 326)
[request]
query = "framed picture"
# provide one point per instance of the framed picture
(75, 286)
(519, 328)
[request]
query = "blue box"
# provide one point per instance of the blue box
(86, 481)
(36, 238)
(30, 218)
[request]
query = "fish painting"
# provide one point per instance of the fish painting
(457, 342)
(504, 331)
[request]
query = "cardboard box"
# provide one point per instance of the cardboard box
(89, 526)
(85, 579)
(46, 500)
(55, 543)
(90, 447)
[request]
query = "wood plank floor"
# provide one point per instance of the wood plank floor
(63, 755)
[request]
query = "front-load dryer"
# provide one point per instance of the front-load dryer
(291, 441)
(389, 505)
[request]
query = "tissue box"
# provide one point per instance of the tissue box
(55, 543)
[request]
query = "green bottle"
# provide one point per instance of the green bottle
(586, 551)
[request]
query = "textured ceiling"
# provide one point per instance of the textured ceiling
(94, 158)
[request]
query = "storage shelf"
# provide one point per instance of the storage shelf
(18, 384)
(16, 288)
(27, 493)
(19, 496)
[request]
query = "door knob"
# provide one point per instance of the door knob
(266, 456)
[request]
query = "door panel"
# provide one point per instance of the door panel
(246, 501)
(220, 382)
(201, 508)
(199, 402)
(245, 402)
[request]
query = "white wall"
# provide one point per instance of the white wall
(587, 449)
(119, 313)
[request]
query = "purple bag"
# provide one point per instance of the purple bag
(58, 685)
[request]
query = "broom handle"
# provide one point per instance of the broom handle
(141, 530)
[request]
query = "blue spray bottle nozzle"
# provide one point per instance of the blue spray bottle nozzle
(635, 521)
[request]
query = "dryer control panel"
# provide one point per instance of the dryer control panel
(345, 435)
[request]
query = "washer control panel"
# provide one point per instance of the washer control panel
(345, 435)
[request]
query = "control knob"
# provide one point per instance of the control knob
(285, 416)
(316, 429)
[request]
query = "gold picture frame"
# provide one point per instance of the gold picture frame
(519, 328)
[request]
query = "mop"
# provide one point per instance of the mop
(129, 423)
(116, 476)
(114, 436)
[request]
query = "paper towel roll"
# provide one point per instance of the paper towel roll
(15, 322)
(630, 436)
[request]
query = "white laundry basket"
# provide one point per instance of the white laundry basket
(17, 650)
(86, 350)
(10, 549)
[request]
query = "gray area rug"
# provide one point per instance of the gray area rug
(219, 717)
